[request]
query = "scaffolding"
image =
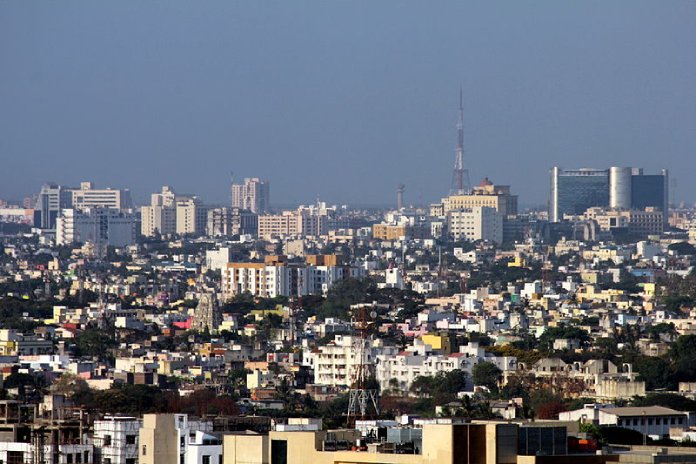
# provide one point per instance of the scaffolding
(116, 440)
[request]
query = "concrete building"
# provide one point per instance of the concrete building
(445, 441)
(278, 225)
(486, 194)
(54, 198)
(653, 421)
(226, 222)
(101, 226)
(252, 195)
(191, 216)
(51, 200)
(174, 439)
(637, 223)
(160, 216)
(89, 197)
(335, 364)
(116, 440)
(275, 277)
(476, 223)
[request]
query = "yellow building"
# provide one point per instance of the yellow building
(475, 443)
(388, 232)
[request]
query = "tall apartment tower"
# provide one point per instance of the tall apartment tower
(160, 215)
(253, 195)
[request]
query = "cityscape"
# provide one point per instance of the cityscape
(470, 326)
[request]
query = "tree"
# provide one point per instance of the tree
(656, 372)
(683, 356)
(71, 386)
(668, 400)
(682, 248)
(487, 375)
(95, 343)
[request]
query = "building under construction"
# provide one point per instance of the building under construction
(49, 433)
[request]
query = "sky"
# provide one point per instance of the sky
(342, 100)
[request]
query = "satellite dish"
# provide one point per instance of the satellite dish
(373, 314)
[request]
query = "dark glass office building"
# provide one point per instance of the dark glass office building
(573, 191)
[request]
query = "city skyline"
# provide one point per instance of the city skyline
(117, 95)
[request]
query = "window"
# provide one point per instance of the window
(130, 439)
(86, 457)
(205, 459)
(220, 459)
(144, 450)
(130, 460)
(78, 458)
(107, 440)
(69, 458)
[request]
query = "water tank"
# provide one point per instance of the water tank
(620, 187)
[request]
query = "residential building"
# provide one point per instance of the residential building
(176, 439)
(160, 216)
(116, 439)
(191, 216)
(252, 195)
(226, 222)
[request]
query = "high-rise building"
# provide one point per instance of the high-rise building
(160, 215)
(191, 216)
(101, 226)
(623, 188)
(89, 197)
(54, 198)
(477, 223)
(573, 191)
(485, 194)
(226, 222)
(253, 194)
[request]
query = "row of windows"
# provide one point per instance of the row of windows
(77, 457)
(656, 421)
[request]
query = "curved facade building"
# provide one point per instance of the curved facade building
(620, 187)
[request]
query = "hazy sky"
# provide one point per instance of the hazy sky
(342, 99)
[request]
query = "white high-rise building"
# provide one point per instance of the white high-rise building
(477, 223)
(191, 216)
(253, 194)
(101, 226)
(89, 197)
(160, 215)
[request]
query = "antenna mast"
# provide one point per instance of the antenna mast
(361, 398)
(460, 176)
